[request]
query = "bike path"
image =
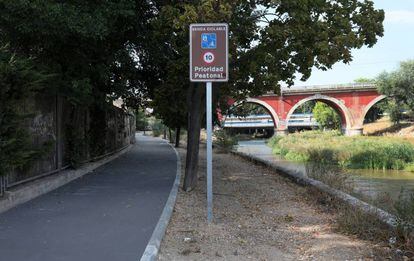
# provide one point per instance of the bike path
(109, 214)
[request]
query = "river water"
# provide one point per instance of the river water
(372, 183)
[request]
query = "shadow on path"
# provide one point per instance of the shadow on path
(109, 214)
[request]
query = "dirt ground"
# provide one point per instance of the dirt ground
(384, 127)
(259, 215)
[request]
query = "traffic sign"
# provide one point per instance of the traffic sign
(209, 41)
(208, 57)
(209, 53)
(209, 63)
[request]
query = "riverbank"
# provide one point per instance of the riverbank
(259, 215)
(348, 152)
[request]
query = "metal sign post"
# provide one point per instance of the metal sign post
(209, 152)
(209, 63)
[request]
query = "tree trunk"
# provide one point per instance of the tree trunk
(170, 135)
(177, 137)
(195, 110)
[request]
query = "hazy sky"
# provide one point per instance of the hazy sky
(396, 45)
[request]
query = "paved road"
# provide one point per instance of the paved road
(107, 215)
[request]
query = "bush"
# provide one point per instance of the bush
(327, 117)
(225, 141)
(350, 152)
(157, 128)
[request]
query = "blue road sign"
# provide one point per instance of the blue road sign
(209, 41)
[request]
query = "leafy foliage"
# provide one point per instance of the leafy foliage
(364, 80)
(141, 120)
(349, 152)
(270, 41)
(19, 79)
(399, 87)
(245, 109)
(224, 140)
(307, 107)
(327, 117)
(157, 127)
(88, 45)
(92, 48)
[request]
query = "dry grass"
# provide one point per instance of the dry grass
(377, 126)
(259, 215)
(384, 127)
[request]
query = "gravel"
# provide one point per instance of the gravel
(258, 215)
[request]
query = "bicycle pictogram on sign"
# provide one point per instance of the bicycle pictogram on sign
(208, 41)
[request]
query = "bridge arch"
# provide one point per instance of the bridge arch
(368, 107)
(267, 106)
(339, 106)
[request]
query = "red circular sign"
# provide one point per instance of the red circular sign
(208, 57)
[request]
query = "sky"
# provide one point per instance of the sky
(396, 45)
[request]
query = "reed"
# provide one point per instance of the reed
(349, 152)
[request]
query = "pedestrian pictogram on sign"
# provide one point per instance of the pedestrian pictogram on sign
(209, 41)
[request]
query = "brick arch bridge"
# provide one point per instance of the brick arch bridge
(351, 101)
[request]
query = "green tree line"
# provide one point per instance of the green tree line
(138, 50)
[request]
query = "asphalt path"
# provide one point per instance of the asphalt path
(109, 214)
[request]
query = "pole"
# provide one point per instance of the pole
(209, 153)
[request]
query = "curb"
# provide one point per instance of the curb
(388, 219)
(42, 186)
(153, 247)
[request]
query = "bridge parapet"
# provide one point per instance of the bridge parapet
(328, 88)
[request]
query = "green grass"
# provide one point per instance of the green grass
(348, 152)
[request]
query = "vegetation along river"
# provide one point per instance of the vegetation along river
(367, 182)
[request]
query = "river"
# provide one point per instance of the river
(371, 183)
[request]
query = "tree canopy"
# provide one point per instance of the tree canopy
(138, 49)
(90, 52)
(364, 80)
(398, 86)
(327, 117)
(89, 46)
(18, 79)
(270, 43)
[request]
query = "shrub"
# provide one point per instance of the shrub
(225, 141)
(350, 152)
(409, 167)
(157, 128)
(327, 117)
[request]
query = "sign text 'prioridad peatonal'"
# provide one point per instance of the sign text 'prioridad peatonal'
(209, 52)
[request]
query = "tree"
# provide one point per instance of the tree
(19, 79)
(364, 80)
(92, 50)
(246, 109)
(307, 107)
(327, 117)
(88, 45)
(399, 87)
(141, 120)
(271, 42)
